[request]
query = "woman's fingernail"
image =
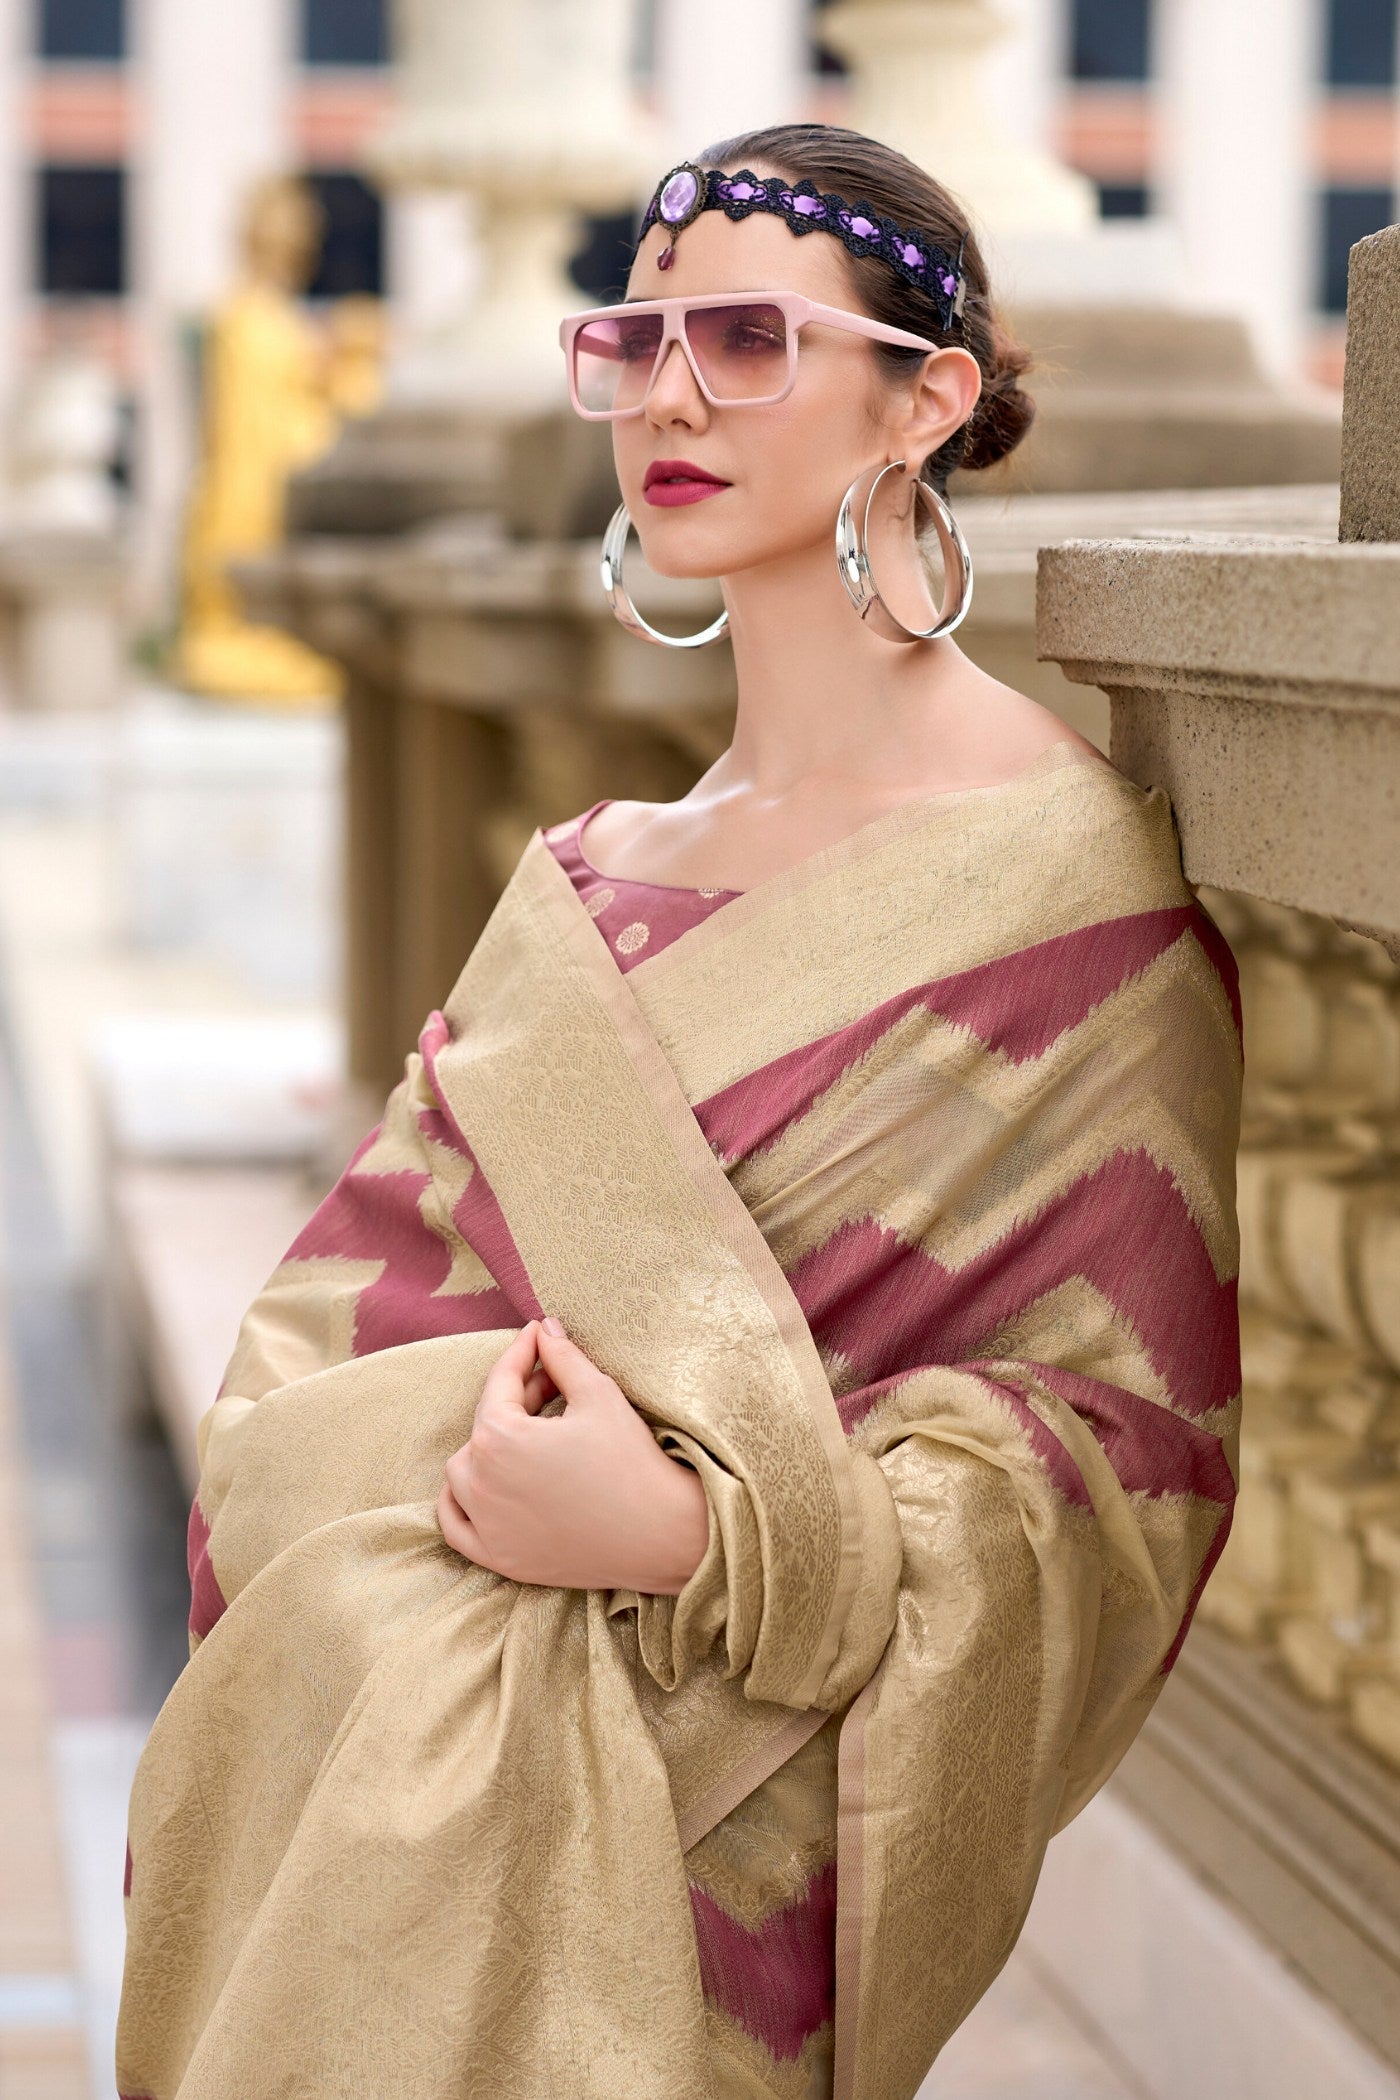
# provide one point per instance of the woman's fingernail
(552, 1326)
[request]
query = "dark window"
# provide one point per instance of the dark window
(352, 259)
(1361, 43)
(1111, 39)
(82, 230)
(344, 33)
(600, 266)
(1124, 200)
(82, 29)
(823, 59)
(1347, 217)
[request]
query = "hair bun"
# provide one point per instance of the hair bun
(890, 185)
(1004, 411)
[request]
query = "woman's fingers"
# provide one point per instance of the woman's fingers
(458, 1529)
(539, 1387)
(509, 1381)
(576, 1375)
(458, 1472)
(518, 1357)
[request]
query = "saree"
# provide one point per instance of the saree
(965, 1086)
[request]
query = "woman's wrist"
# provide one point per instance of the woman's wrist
(682, 1534)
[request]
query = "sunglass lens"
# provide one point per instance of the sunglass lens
(742, 350)
(613, 359)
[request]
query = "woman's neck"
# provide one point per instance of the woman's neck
(826, 706)
(834, 726)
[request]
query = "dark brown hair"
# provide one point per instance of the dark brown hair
(875, 177)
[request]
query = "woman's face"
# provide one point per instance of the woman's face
(787, 464)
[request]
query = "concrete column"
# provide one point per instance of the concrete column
(215, 89)
(727, 66)
(920, 82)
(431, 265)
(1026, 70)
(1232, 170)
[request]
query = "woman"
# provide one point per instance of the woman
(724, 1474)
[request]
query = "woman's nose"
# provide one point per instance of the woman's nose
(673, 383)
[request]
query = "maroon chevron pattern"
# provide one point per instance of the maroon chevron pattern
(880, 1303)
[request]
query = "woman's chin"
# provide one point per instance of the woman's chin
(696, 562)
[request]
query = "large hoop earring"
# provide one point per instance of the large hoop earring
(615, 590)
(853, 561)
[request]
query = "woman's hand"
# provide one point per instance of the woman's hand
(581, 1500)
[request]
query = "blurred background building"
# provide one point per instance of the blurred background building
(134, 126)
(301, 636)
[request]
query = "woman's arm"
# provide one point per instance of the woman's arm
(583, 1499)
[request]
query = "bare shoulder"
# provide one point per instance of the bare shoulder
(1001, 730)
(612, 828)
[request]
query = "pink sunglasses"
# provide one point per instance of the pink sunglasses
(742, 347)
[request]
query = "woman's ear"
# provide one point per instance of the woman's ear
(945, 394)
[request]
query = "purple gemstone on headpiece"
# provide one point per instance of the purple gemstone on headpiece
(678, 196)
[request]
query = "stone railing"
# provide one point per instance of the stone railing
(1313, 1562)
(1257, 678)
(489, 690)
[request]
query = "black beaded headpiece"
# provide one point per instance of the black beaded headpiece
(687, 190)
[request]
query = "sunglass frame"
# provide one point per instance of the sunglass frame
(798, 312)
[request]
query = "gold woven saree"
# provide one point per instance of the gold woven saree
(969, 1083)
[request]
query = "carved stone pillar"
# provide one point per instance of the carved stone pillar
(216, 116)
(701, 95)
(528, 112)
(918, 82)
(1236, 106)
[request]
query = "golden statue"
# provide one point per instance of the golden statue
(274, 392)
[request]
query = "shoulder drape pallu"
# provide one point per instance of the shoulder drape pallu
(404, 1829)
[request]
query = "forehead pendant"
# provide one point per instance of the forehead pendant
(682, 196)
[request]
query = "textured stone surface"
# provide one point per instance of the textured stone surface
(1298, 805)
(1371, 411)
(1270, 609)
(1255, 679)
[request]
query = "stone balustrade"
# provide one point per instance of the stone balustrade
(1256, 676)
(1311, 1563)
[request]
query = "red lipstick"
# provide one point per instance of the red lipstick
(672, 481)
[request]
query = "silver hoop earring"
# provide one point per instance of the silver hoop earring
(853, 561)
(615, 590)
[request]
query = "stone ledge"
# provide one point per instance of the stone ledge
(1273, 612)
(1253, 677)
(189, 1247)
